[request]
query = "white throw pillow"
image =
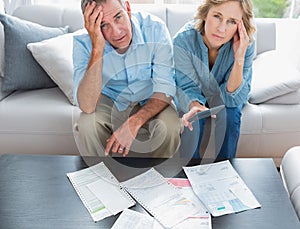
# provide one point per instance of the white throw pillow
(55, 57)
(273, 76)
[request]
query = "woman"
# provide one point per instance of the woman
(213, 60)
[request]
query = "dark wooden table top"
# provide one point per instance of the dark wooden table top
(36, 193)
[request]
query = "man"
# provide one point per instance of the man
(124, 82)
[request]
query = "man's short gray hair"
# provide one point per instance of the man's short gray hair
(85, 2)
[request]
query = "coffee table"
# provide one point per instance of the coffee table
(36, 193)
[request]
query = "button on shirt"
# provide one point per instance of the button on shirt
(196, 82)
(145, 68)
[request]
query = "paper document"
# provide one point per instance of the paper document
(100, 191)
(200, 220)
(160, 198)
(136, 220)
(220, 188)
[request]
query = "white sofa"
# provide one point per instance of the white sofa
(41, 121)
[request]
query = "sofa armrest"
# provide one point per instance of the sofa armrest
(290, 173)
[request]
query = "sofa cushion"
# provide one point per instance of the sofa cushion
(52, 16)
(265, 35)
(288, 99)
(53, 116)
(152, 9)
(268, 130)
(55, 56)
(178, 15)
(273, 76)
(37, 122)
(21, 70)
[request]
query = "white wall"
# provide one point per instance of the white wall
(287, 40)
(1, 7)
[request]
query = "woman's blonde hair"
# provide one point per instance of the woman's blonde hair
(246, 6)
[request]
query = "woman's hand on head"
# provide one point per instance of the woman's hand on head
(240, 42)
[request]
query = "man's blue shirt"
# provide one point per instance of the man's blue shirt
(145, 68)
(194, 79)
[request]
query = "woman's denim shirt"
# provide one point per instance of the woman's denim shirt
(196, 82)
